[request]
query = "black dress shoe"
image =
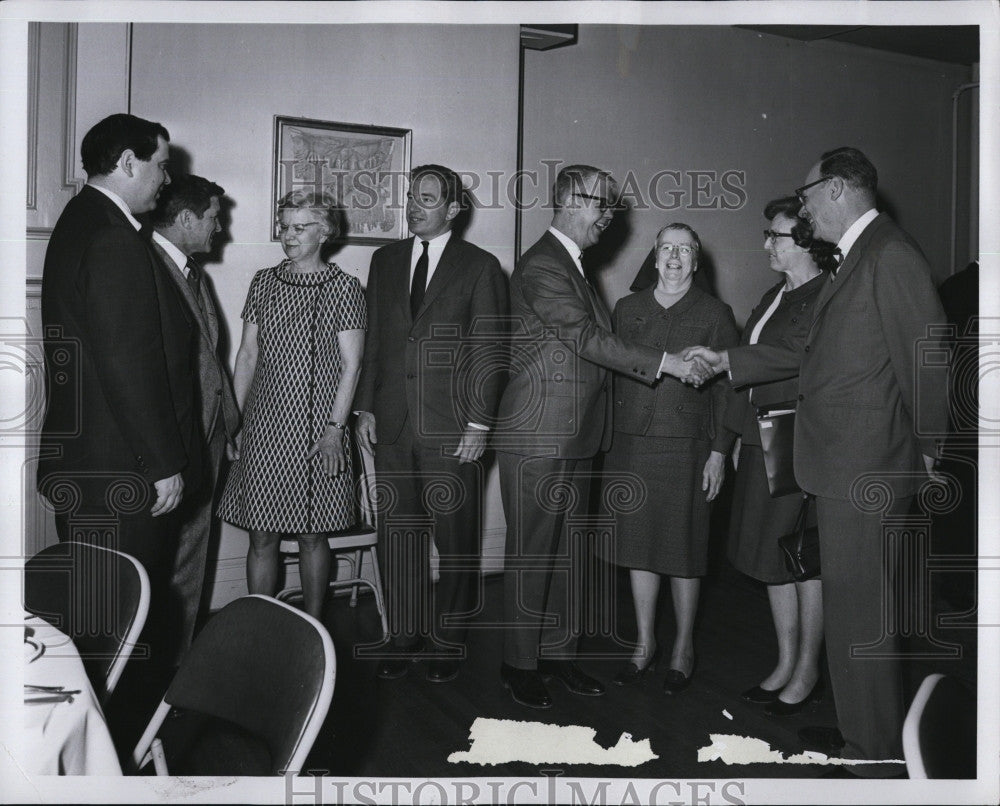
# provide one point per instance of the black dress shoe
(759, 695)
(676, 681)
(525, 686)
(631, 673)
(828, 741)
(779, 707)
(571, 676)
(441, 670)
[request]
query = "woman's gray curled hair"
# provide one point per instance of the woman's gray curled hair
(324, 204)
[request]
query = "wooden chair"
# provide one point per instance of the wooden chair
(249, 698)
(98, 597)
(351, 545)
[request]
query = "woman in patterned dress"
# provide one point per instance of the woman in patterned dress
(303, 337)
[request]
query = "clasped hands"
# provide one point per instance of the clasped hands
(695, 365)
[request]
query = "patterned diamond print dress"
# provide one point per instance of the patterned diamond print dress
(272, 487)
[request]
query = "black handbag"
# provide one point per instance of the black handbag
(801, 545)
(776, 424)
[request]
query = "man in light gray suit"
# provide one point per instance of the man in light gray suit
(184, 221)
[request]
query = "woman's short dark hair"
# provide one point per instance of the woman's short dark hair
(322, 203)
(802, 231)
(105, 142)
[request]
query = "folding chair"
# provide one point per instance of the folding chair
(939, 733)
(250, 696)
(350, 545)
(98, 597)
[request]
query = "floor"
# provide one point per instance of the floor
(409, 727)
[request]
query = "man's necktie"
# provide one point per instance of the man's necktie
(419, 282)
(838, 256)
(146, 231)
(194, 279)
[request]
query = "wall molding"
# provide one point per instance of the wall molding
(70, 180)
(34, 78)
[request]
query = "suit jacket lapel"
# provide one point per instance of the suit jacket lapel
(398, 281)
(190, 306)
(586, 291)
(446, 267)
(851, 262)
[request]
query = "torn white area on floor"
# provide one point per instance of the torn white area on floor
(500, 741)
(732, 749)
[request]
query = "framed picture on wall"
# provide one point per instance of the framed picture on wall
(364, 167)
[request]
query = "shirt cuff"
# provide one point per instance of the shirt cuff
(478, 427)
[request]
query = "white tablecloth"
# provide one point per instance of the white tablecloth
(68, 737)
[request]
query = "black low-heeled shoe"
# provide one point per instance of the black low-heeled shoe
(631, 673)
(760, 695)
(779, 707)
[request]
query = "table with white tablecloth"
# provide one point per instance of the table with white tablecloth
(64, 733)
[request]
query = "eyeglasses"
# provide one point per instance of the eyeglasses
(602, 203)
(800, 192)
(298, 229)
(682, 248)
(770, 234)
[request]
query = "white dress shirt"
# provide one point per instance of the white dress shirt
(120, 203)
(435, 247)
(571, 247)
(176, 255)
(854, 231)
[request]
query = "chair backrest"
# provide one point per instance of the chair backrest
(265, 667)
(939, 733)
(98, 597)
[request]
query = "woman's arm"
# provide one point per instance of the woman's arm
(331, 446)
(246, 365)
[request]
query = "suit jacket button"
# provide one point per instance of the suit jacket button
(410, 338)
(410, 375)
(680, 408)
(619, 402)
(802, 397)
(807, 348)
(795, 319)
(643, 373)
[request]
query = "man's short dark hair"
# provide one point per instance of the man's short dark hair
(852, 166)
(580, 179)
(189, 192)
(105, 142)
(451, 182)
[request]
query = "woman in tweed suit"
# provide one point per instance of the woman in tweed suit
(670, 436)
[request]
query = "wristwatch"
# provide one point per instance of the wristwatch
(335, 424)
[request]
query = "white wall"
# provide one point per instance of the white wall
(719, 99)
(217, 87)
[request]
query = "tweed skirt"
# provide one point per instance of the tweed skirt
(757, 521)
(664, 529)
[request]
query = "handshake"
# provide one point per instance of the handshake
(695, 365)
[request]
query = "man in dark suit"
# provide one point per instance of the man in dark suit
(184, 221)
(859, 447)
(120, 443)
(427, 417)
(555, 415)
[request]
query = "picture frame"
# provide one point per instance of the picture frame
(365, 167)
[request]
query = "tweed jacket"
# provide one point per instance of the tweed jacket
(672, 408)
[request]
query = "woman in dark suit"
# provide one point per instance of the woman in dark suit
(758, 520)
(671, 436)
